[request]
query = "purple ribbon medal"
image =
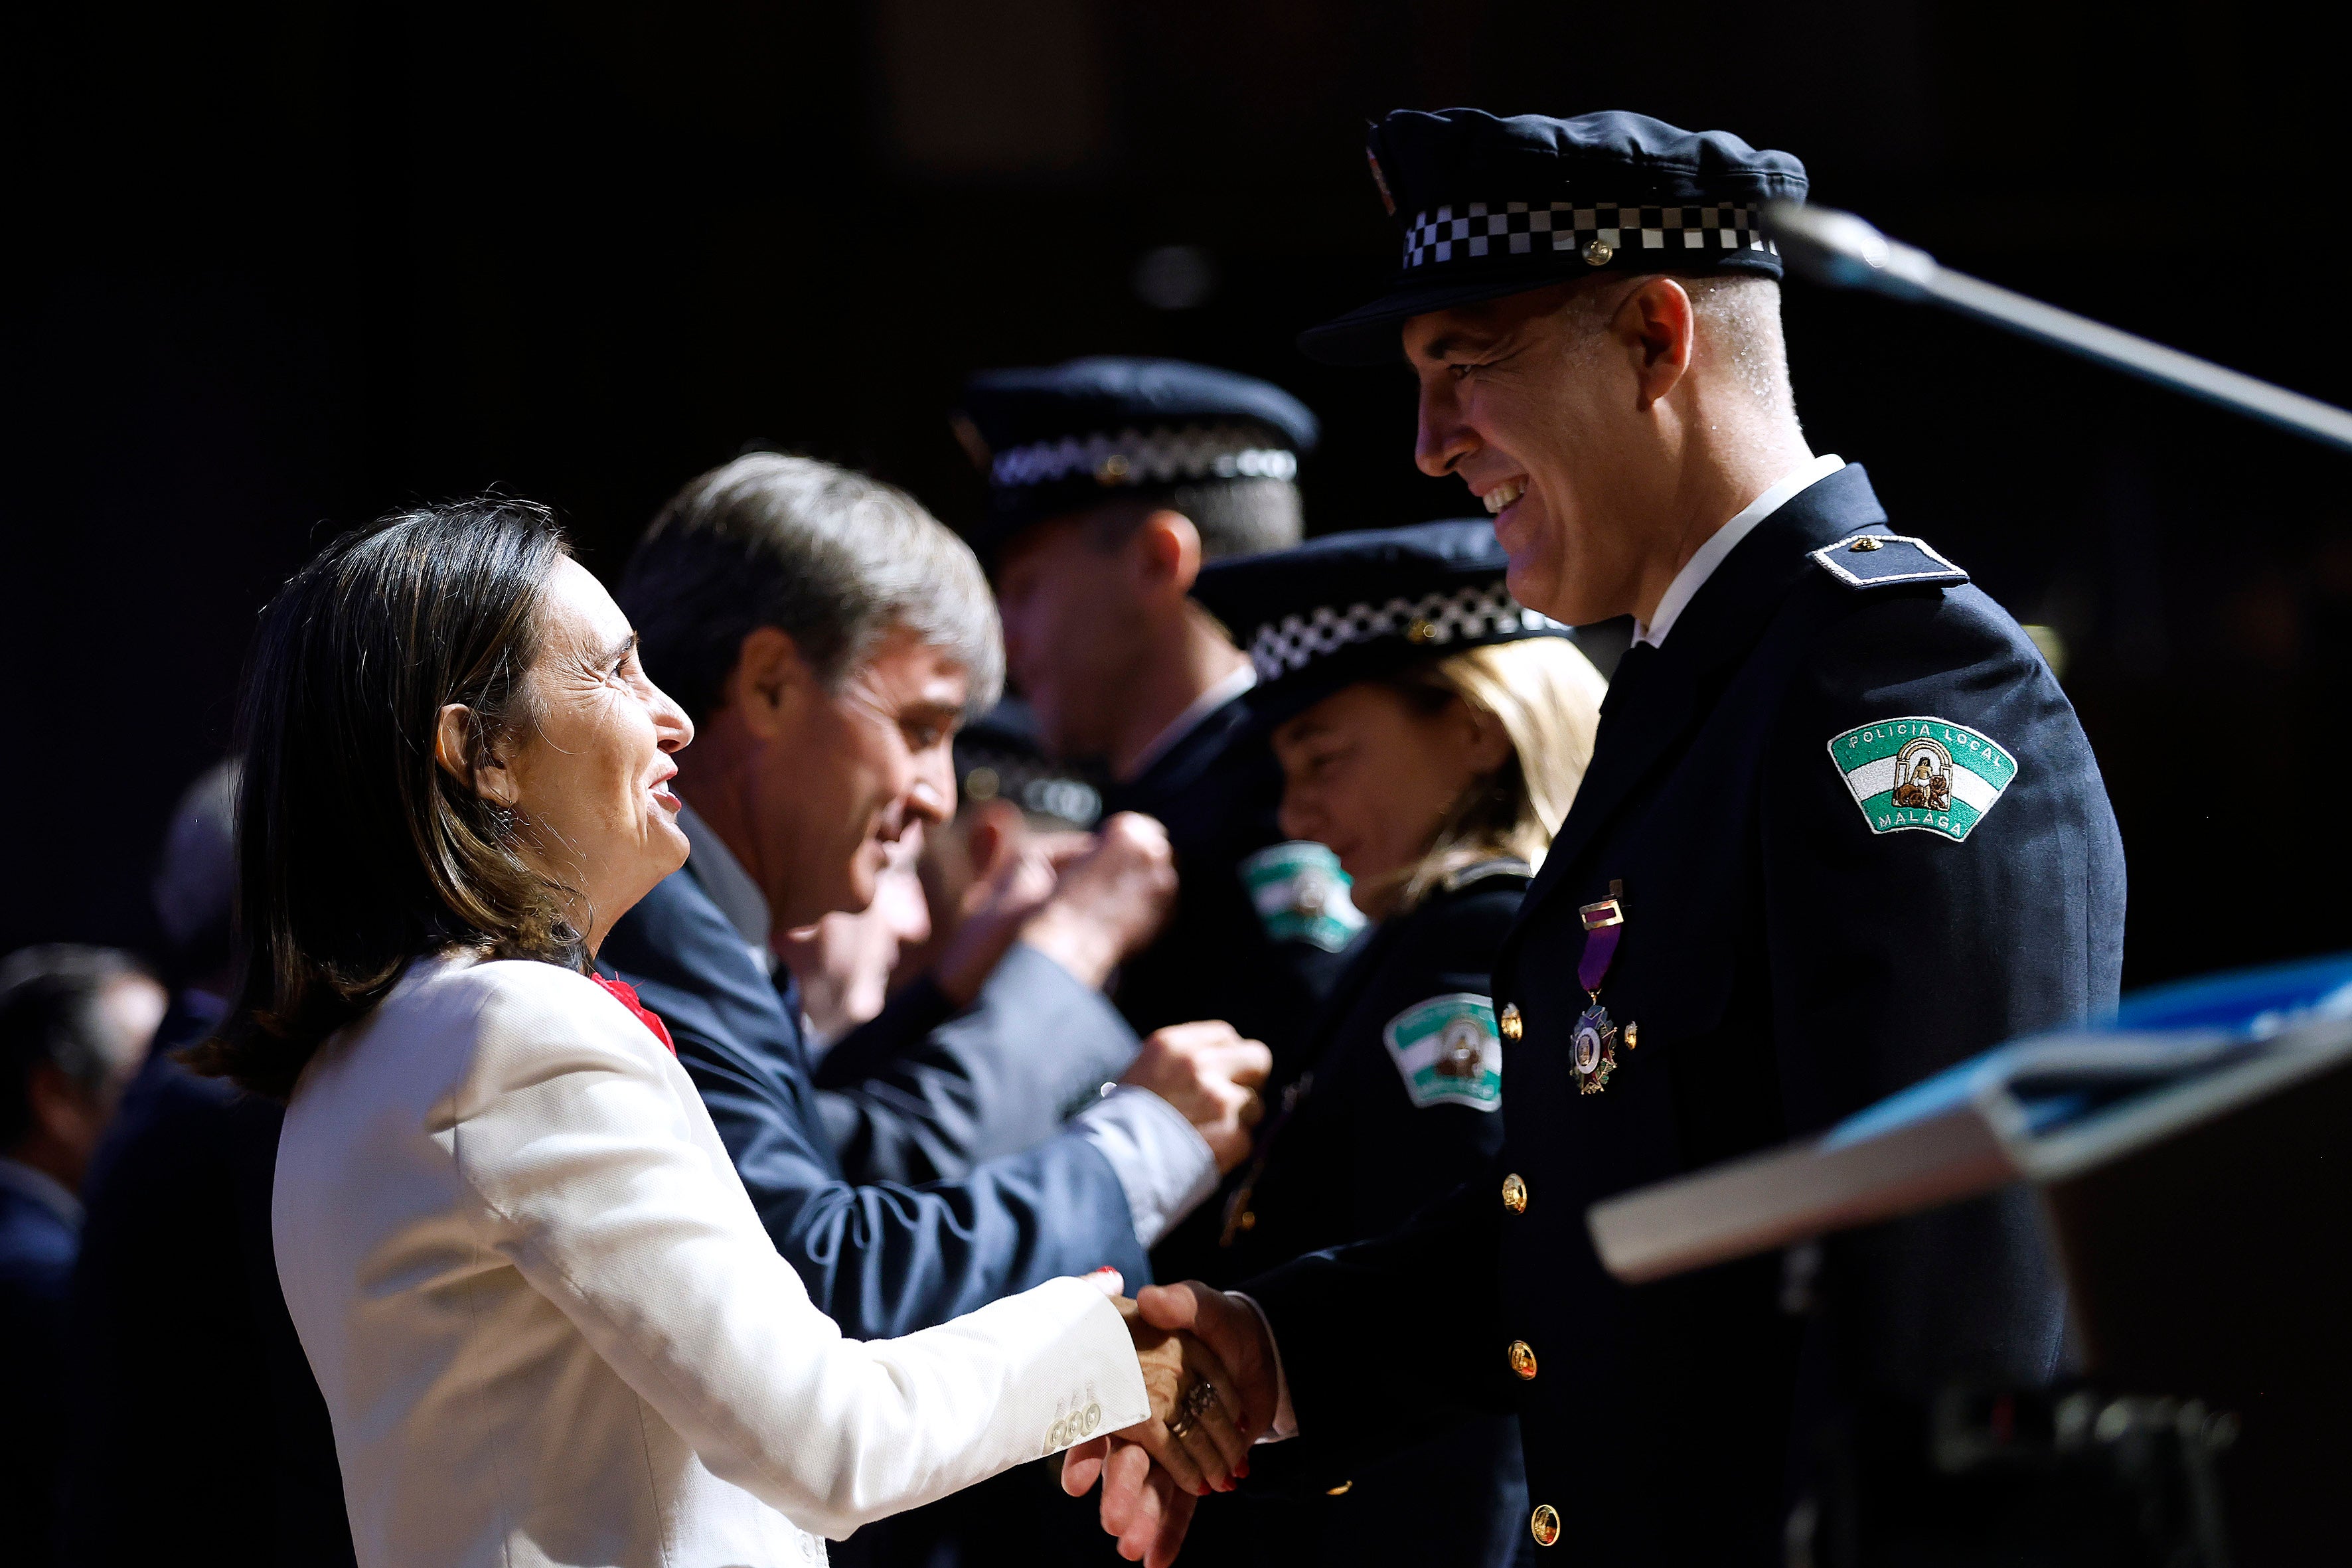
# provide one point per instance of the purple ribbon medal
(1592, 1050)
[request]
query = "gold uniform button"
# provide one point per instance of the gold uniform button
(1511, 1023)
(1421, 630)
(1515, 1194)
(1522, 1359)
(1866, 543)
(1544, 1524)
(1342, 1489)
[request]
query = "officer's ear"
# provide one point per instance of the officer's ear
(1657, 327)
(1165, 550)
(770, 684)
(1485, 746)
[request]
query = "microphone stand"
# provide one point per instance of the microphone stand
(1843, 251)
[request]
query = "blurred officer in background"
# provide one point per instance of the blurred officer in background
(828, 636)
(1111, 482)
(1433, 742)
(1758, 917)
(74, 1023)
(200, 1434)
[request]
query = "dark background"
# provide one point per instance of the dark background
(280, 269)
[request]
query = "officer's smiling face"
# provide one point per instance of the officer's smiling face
(1533, 401)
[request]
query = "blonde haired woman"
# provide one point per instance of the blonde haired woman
(1432, 732)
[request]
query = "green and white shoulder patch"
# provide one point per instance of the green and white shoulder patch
(1922, 775)
(1448, 1051)
(1301, 895)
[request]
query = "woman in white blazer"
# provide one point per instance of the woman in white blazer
(548, 1323)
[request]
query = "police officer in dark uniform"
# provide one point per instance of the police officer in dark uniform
(1434, 738)
(1111, 481)
(1743, 931)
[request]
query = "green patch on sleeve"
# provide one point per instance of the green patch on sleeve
(1448, 1051)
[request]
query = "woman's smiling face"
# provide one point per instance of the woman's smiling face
(588, 773)
(1373, 775)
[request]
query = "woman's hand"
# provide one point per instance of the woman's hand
(1198, 1431)
(1145, 1505)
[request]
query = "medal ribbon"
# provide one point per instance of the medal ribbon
(1604, 923)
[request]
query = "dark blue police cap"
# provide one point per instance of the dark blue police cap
(1063, 438)
(1359, 606)
(1492, 207)
(1001, 756)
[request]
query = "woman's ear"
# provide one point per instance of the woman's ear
(453, 748)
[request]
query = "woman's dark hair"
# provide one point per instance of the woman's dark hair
(356, 850)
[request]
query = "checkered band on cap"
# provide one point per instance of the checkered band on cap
(1156, 457)
(1434, 620)
(1463, 232)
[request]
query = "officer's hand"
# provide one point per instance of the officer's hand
(1110, 900)
(1148, 1507)
(1211, 1074)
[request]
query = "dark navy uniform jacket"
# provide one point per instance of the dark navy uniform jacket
(1788, 959)
(37, 1260)
(200, 1435)
(1218, 790)
(1355, 1154)
(881, 1258)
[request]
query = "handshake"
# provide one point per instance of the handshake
(1209, 1369)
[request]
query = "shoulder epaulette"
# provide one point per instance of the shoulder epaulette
(1479, 871)
(1883, 559)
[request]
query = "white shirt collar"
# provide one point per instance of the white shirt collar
(729, 886)
(1701, 566)
(43, 1189)
(1189, 720)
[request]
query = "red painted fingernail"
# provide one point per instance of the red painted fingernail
(1241, 1471)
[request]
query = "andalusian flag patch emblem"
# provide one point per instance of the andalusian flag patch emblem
(1447, 1051)
(1301, 895)
(1930, 775)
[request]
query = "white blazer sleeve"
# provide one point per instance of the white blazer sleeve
(601, 1179)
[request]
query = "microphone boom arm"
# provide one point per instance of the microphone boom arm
(1842, 250)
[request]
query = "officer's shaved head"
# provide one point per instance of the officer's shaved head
(1739, 327)
(1234, 517)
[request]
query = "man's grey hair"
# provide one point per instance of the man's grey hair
(833, 559)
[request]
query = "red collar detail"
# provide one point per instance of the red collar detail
(623, 993)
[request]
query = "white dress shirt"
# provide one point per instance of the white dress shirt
(1701, 565)
(550, 1329)
(729, 886)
